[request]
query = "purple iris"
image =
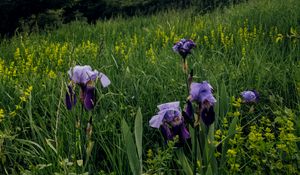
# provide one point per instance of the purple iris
(70, 97)
(85, 77)
(202, 94)
(250, 96)
(188, 113)
(170, 121)
(184, 47)
(84, 74)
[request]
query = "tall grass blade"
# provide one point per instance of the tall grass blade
(130, 149)
(209, 170)
(183, 161)
(138, 131)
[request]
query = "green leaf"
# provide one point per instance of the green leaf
(130, 149)
(184, 162)
(138, 130)
(209, 170)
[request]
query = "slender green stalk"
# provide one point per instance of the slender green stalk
(196, 130)
(58, 116)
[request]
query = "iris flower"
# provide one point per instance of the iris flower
(170, 121)
(184, 47)
(250, 96)
(201, 93)
(85, 78)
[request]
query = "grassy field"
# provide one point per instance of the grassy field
(255, 45)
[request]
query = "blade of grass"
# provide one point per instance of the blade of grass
(183, 161)
(130, 149)
(138, 130)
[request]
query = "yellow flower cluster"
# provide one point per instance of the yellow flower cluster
(150, 54)
(236, 102)
(25, 95)
(226, 40)
(87, 50)
(1, 114)
(255, 137)
(122, 51)
(32, 60)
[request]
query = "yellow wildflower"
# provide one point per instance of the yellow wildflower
(52, 74)
(236, 114)
(150, 153)
(234, 167)
(23, 99)
(279, 38)
(231, 153)
(1, 114)
(13, 113)
(18, 107)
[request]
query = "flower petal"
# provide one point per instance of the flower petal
(156, 121)
(89, 99)
(250, 96)
(183, 47)
(104, 80)
(208, 115)
(82, 74)
(188, 45)
(70, 99)
(166, 132)
(189, 111)
(184, 133)
(202, 91)
(170, 105)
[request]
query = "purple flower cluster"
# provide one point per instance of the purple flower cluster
(184, 47)
(85, 77)
(170, 121)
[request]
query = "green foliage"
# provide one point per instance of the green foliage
(160, 161)
(254, 45)
(134, 149)
(40, 15)
(263, 144)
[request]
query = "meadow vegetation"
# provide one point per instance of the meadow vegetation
(253, 45)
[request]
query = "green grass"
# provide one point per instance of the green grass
(136, 54)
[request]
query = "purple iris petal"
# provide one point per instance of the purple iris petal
(189, 111)
(170, 121)
(208, 115)
(184, 133)
(166, 132)
(188, 45)
(250, 96)
(171, 114)
(104, 80)
(181, 131)
(84, 74)
(173, 117)
(201, 92)
(89, 98)
(167, 112)
(170, 105)
(156, 121)
(184, 47)
(70, 98)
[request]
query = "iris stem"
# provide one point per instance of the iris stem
(185, 70)
(186, 75)
(196, 145)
